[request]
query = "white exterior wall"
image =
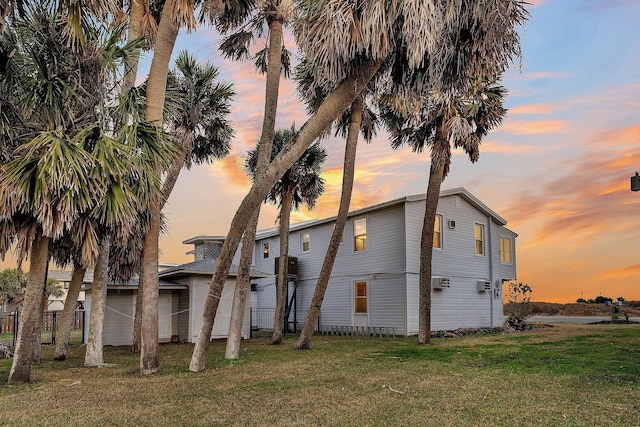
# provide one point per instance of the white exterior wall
(199, 287)
(461, 305)
(120, 311)
(382, 266)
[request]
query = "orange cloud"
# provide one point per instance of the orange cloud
(548, 75)
(537, 127)
(231, 168)
(532, 109)
(621, 272)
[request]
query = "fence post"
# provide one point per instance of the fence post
(54, 326)
(16, 324)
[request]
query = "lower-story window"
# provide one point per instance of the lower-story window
(360, 297)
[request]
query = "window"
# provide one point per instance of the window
(505, 250)
(360, 298)
(479, 239)
(360, 234)
(437, 232)
(305, 241)
(265, 250)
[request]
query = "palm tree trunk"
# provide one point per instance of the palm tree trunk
(37, 347)
(436, 173)
(134, 31)
(156, 92)
(242, 290)
(283, 281)
(149, 345)
(328, 111)
(137, 320)
(27, 331)
(68, 313)
(336, 237)
(272, 87)
(93, 354)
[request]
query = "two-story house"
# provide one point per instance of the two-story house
(374, 282)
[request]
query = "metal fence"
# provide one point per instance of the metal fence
(10, 322)
(262, 318)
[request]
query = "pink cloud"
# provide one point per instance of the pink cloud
(532, 109)
(520, 127)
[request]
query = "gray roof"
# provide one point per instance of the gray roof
(204, 267)
(460, 191)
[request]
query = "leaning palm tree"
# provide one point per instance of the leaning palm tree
(351, 43)
(458, 119)
(300, 184)
(247, 21)
(357, 119)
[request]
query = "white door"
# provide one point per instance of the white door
(360, 303)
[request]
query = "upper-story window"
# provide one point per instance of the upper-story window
(360, 234)
(265, 250)
(305, 241)
(479, 232)
(437, 232)
(505, 250)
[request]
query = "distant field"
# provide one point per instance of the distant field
(569, 375)
(580, 309)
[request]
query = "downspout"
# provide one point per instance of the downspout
(490, 251)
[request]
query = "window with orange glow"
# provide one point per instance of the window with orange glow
(479, 239)
(360, 297)
(437, 232)
(505, 250)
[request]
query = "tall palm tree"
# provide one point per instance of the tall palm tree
(444, 120)
(63, 165)
(249, 19)
(300, 184)
(175, 14)
(358, 118)
(351, 43)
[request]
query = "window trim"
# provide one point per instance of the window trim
(302, 242)
(440, 232)
(503, 252)
(483, 239)
(366, 234)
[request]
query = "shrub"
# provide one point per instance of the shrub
(519, 304)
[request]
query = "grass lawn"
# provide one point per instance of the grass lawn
(569, 375)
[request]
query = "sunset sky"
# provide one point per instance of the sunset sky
(557, 170)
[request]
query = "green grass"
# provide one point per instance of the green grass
(570, 375)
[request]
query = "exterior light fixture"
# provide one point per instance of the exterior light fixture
(635, 182)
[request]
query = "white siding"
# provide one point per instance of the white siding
(118, 318)
(198, 295)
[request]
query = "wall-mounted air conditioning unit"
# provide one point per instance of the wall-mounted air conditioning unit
(440, 282)
(483, 285)
(451, 224)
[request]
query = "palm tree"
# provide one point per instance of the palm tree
(443, 120)
(349, 43)
(175, 14)
(197, 118)
(64, 166)
(300, 184)
(358, 118)
(249, 22)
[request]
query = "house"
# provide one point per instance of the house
(182, 292)
(56, 303)
(374, 282)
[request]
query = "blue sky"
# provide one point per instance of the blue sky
(558, 169)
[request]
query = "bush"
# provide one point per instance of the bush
(519, 298)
